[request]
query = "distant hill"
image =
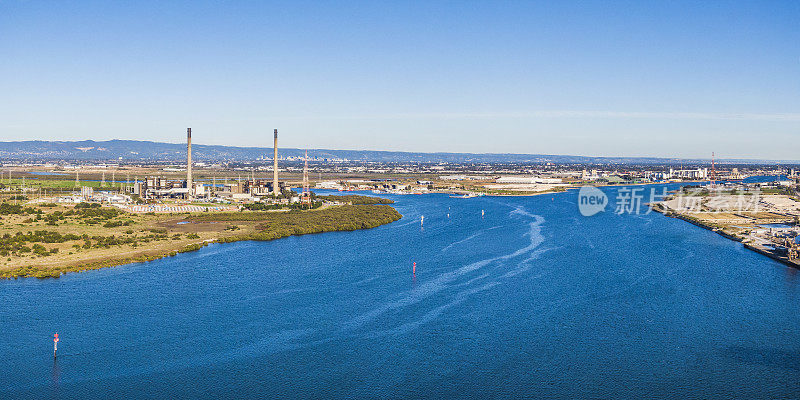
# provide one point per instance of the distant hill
(133, 150)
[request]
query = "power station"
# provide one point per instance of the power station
(305, 196)
(190, 191)
(275, 187)
(156, 187)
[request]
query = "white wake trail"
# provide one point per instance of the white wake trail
(446, 280)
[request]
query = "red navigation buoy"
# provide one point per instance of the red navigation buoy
(55, 344)
(414, 270)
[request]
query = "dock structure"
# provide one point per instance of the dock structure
(785, 250)
(789, 259)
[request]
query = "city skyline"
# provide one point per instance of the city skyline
(666, 80)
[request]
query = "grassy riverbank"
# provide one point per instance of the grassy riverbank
(46, 242)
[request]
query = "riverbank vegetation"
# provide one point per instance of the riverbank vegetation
(355, 199)
(47, 242)
(342, 218)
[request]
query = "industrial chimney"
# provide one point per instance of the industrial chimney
(189, 163)
(275, 189)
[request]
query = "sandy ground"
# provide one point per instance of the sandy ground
(524, 187)
(68, 255)
(779, 204)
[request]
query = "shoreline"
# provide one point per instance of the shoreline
(146, 255)
(522, 193)
(749, 246)
(565, 189)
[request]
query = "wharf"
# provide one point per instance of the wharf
(771, 254)
(763, 250)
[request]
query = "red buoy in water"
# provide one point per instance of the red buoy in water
(414, 270)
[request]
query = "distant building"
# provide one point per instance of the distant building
(462, 178)
(528, 180)
(615, 179)
(156, 187)
(87, 192)
(251, 188)
(699, 173)
(736, 175)
(328, 185)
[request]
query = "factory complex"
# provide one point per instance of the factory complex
(155, 189)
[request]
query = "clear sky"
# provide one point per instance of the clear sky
(638, 78)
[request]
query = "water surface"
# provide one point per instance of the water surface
(530, 300)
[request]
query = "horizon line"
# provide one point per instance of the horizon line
(419, 152)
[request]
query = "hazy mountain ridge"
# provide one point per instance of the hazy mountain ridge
(133, 150)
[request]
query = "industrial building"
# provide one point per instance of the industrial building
(695, 174)
(528, 180)
(245, 189)
(156, 187)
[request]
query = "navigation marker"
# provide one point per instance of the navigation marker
(55, 344)
(414, 268)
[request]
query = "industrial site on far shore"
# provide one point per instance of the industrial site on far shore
(160, 196)
(159, 186)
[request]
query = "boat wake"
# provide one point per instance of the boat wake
(454, 287)
(467, 239)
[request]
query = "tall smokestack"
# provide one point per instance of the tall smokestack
(275, 189)
(189, 162)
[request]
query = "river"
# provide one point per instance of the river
(529, 300)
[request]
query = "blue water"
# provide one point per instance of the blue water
(532, 300)
(779, 226)
(45, 173)
(764, 178)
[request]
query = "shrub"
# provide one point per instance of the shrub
(355, 199)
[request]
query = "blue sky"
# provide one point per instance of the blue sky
(639, 78)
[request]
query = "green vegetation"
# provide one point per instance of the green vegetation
(11, 209)
(342, 218)
(355, 199)
(88, 236)
(784, 191)
(45, 183)
(193, 247)
(291, 206)
(17, 244)
(55, 272)
(316, 202)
